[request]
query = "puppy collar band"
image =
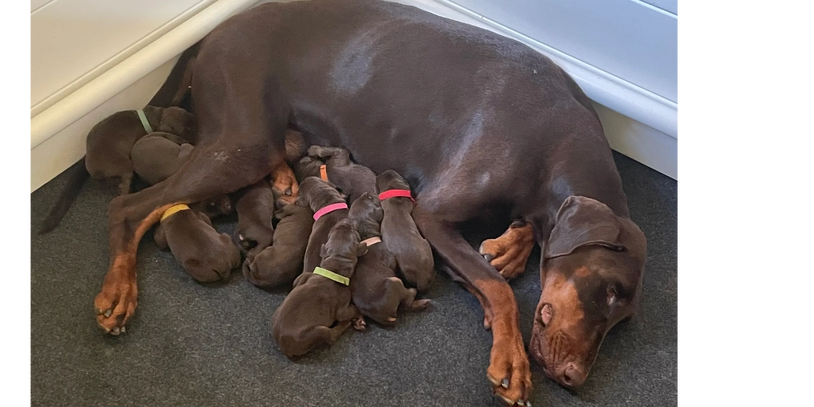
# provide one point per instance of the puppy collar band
(331, 275)
(144, 122)
(393, 193)
(328, 209)
(173, 210)
(371, 241)
(323, 173)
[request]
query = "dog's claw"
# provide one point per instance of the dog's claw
(521, 403)
(123, 330)
(107, 313)
(494, 381)
(488, 257)
(505, 383)
(505, 401)
(115, 331)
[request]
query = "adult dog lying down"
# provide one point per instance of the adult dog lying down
(478, 124)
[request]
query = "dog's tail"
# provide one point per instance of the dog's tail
(77, 175)
(178, 83)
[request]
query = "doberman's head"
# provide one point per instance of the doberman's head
(366, 213)
(343, 248)
(591, 277)
(316, 193)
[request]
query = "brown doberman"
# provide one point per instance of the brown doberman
(481, 127)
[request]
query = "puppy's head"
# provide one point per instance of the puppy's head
(307, 167)
(316, 193)
(343, 246)
(390, 180)
(591, 277)
(366, 213)
(177, 121)
(218, 205)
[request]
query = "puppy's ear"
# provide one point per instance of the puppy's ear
(378, 214)
(583, 221)
(323, 251)
(361, 250)
(175, 120)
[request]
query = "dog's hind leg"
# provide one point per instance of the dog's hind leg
(221, 167)
(508, 369)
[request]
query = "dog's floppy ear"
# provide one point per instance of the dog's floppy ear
(361, 249)
(323, 251)
(583, 221)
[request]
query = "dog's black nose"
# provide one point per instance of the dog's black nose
(572, 376)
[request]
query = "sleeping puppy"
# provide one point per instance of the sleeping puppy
(255, 213)
(351, 179)
(279, 264)
(204, 253)
(158, 155)
(329, 208)
(376, 290)
(319, 309)
(110, 141)
(400, 234)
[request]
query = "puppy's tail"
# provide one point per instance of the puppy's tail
(178, 83)
(77, 175)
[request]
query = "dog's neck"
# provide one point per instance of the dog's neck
(322, 200)
(368, 228)
(339, 265)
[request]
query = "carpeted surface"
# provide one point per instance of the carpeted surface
(191, 344)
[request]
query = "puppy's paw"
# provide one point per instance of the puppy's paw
(360, 324)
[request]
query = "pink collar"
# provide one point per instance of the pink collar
(328, 209)
(394, 193)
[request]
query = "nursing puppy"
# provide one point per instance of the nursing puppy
(329, 208)
(308, 167)
(376, 290)
(322, 298)
(284, 184)
(279, 264)
(351, 179)
(158, 155)
(203, 252)
(400, 234)
(255, 213)
(110, 141)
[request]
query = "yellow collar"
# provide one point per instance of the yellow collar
(332, 276)
(173, 210)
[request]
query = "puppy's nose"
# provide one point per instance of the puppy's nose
(572, 376)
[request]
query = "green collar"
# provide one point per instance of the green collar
(332, 276)
(144, 122)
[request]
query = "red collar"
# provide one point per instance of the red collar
(396, 193)
(328, 209)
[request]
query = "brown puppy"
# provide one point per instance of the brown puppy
(329, 208)
(255, 213)
(376, 290)
(158, 155)
(279, 264)
(308, 167)
(351, 179)
(322, 298)
(400, 234)
(204, 253)
(110, 141)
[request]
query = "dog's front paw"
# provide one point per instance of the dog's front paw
(509, 372)
(314, 151)
(509, 253)
(116, 303)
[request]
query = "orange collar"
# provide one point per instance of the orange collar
(323, 173)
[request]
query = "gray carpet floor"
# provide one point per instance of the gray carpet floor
(191, 344)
